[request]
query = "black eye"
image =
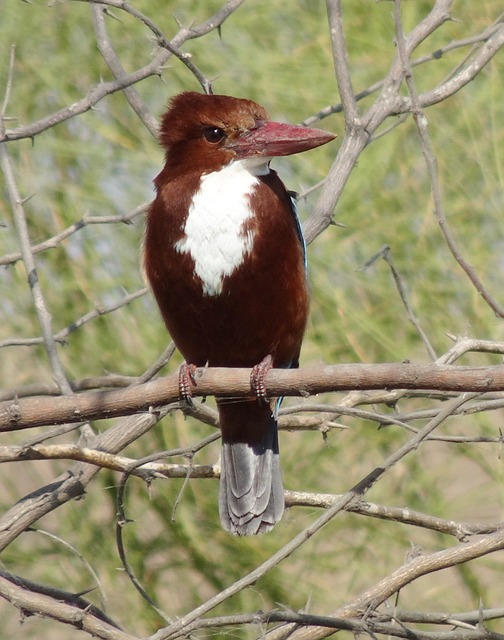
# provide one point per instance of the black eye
(214, 134)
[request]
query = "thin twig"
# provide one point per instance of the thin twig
(430, 159)
(122, 519)
(114, 64)
(61, 335)
(385, 253)
(56, 240)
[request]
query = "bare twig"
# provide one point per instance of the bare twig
(390, 102)
(341, 63)
(148, 469)
(77, 554)
(8, 87)
(61, 335)
(473, 41)
(480, 59)
(401, 288)
(391, 626)
(103, 89)
(114, 64)
(55, 241)
(162, 41)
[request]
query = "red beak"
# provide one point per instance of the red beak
(271, 139)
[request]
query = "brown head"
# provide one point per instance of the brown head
(203, 133)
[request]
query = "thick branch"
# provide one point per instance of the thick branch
(224, 383)
(59, 605)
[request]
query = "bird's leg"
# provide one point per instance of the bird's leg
(258, 375)
(187, 381)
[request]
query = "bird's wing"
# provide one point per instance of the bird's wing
(293, 198)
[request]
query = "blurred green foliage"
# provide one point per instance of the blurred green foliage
(103, 163)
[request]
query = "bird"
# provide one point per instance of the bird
(226, 261)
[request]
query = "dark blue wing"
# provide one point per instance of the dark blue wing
(299, 228)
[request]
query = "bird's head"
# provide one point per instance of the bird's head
(206, 132)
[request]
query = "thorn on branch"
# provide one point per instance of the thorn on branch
(111, 14)
(14, 412)
(374, 258)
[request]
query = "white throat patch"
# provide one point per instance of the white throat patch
(214, 233)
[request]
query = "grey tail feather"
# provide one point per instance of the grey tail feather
(251, 494)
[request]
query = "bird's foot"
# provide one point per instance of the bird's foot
(258, 375)
(187, 381)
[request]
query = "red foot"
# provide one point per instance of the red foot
(187, 381)
(258, 375)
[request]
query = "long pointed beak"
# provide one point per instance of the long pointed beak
(271, 139)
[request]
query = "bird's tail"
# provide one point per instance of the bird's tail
(251, 495)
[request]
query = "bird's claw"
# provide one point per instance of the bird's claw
(187, 381)
(258, 375)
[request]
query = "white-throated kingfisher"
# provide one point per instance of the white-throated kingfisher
(225, 257)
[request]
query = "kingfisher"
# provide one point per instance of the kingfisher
(225, 257)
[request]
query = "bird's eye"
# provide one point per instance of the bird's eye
(214, 134)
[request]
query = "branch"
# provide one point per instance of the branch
(391, 102)
(99, 382)
(416, 103)
(361, 130)
(339, 505)
(97, 93)
(162, 42)
(59, 605)
(481, 58)
(341, 64)
(61, 335)
(55, 241)
(114, 64)
(386, 254)
(72, 483)
(225, 383)
(39, 303)
(148, 471)
(154, 68)
(106, 460)
(413, 569)
(460, 530)
(431, 57)
(468, 626)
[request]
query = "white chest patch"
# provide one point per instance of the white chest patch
(214, 234)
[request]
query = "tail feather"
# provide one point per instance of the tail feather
(251, 495)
